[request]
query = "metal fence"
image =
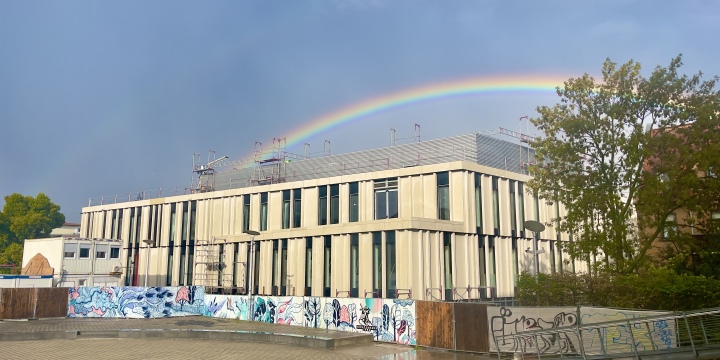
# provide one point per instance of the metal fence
(692, 335)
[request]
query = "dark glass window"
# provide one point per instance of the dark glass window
(377, 262)
(327, 271)
(390, 271)
(443, 195)
(84, 251)
(246, 212)
(308, 266)
(322, 205)
(354, 265)
(334, 204)
(286, 209)
(114, 252)
(478, 203)
(263, 211)
(447, 252)
(386, 198)
(513, 212)
(297, 207)
(354, 202)
(496, 205)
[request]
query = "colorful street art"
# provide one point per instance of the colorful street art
(617, 338)
(135, 302)
(389, 320)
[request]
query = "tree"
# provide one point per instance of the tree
(25, 217)
(618, 180)
(31, 218)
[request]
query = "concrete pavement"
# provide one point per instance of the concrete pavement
(192, 327)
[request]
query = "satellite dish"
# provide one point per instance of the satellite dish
(534, 226)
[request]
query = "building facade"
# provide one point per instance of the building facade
(432, 220)
(74, 261)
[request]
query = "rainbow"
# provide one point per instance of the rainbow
(423, 94)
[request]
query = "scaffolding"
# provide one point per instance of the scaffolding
(214, 274)
(269, 165)
(203, 175)
(525, 160)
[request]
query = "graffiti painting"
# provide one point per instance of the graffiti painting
(505, 321)
(135, 302)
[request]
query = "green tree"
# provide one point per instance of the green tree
(25, 217)
(31, 218)
(624, 153)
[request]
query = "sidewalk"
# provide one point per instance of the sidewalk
(192, 327)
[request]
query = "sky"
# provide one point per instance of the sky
(99, 98)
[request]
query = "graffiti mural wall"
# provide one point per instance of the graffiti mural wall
(390, 320)
(512, 320)
(135, 302)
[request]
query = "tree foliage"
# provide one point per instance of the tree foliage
(25, 217)
(624, 153)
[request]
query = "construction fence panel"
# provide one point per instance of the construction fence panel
(471, 327)
(17, 303)
(435, 324)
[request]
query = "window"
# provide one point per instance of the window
(447, 252)
(286, 209)
(354, 265)
(171, 246)
(297, 207)
(70, 250)
(308, 266)
(101, 251)
(82, 282)
(84, 251)
(478, 203)
(263, 211)
(275, 272)
(246, 212)
(521, 202)
(191, 247)
(670, 226)
(327, 273)
(390, 272)
(513, 213)
(115, 252)
(482, 262)
(377, 262)
(322, 205)
(443, 195)
(334, 204)
(354, 201)
(283, 268)
(496, 205)
(386, 198)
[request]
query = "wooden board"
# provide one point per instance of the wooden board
(51, 302)
(471, 327)
(17, 303)
(435, 324)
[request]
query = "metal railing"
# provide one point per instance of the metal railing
(693, 335)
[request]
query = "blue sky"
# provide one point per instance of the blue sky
(100, 98)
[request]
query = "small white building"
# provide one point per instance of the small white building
(25, 281)
(74, 261)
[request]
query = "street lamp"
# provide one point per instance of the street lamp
(536, 227)
(251, 273)
(147, 259)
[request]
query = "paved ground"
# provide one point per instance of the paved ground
(183, 323)
(166, 348)
(108, 349)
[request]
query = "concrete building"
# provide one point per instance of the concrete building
(74, 261)
(438, 219)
